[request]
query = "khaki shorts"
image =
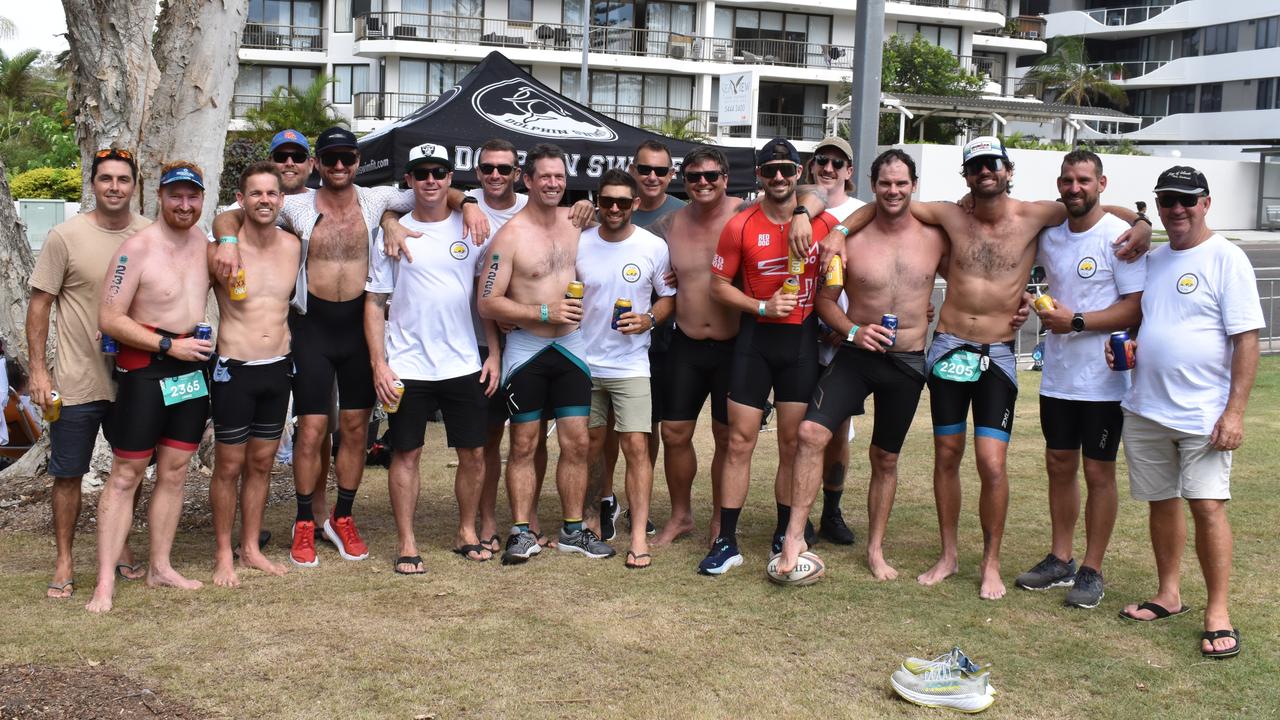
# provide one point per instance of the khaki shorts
(631, 400)
(1165, 463)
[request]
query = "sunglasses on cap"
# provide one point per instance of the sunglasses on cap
(975, 166)
(113, 154)
(608, 203)
(503, 169)
(710, 176)
(346, 158)
(281, 157)
(659, 170)
(787, 169)
(1171, 199)
(437, 172)
(834, 162)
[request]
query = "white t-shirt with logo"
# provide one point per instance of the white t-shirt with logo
(497, 218)
(1084, 274)
(1195, 300)
(429, 333)
(633, 269)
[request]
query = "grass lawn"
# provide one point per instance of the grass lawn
(565, 636)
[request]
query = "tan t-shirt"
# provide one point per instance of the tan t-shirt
(72, 266)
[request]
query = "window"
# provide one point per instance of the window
(1182, 100)
(633, 98)
(940, 35)
(256, 83)
(1211, 97)
(289, 13)
(1268, 98)
(344, 11)
(1220, 39)
(349, 80)
(520, 10)
(1268, 34)
(1190, 43)
(776, 37)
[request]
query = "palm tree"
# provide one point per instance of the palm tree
(307, 110)
(18, 79)
(1067, 75)
(686, 128)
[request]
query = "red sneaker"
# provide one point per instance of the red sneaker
(303, 551)
(342, 532)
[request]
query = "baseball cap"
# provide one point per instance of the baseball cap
(777, 149)
(289, 137)
(838, 143)
(985, 146)
(182, 174)
(1182, 179)
(335, 138)
(428, 153)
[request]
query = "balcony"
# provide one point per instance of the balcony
(1022, 27)
(1129, 69)
(241, 104)
(467, 30)
(995, 6)
(1114, 17)
(387, 105)
(263, 36)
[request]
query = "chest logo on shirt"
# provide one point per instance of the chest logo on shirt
(631, 272)
(1188, 283)
(459, 250)
(1087, 267)
(762, 240)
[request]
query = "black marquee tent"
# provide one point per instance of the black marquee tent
(498, 99)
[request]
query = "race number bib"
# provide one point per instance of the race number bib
(960, 366)
(183, 388)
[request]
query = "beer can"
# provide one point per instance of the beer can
(795, 263)
(621, 306)
(237, 288)
(399, 388)
(890, 322)
(1121, 350)
(204, 331)
(835, 272)
(574, 291)
(1043, 303)
(109, 346)
(791, 285)
(54, 411)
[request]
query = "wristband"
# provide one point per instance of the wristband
(228, 240)
(842, 230)
(1142, 218)
(852, 331)
(542, 313)
(760, 309)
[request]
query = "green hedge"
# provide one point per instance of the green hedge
(48, 184)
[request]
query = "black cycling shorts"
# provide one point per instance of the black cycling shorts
(139, 420)
(249, 400)
(854, 374)
(992, 395)
(694, 370)
(1090, 426)
(551, 384)
(329, 341)
(782, 357)
(462, 401)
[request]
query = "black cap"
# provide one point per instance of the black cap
(775, 150)
(335, 138)
(1182, 179)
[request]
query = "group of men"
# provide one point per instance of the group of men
(348, 296)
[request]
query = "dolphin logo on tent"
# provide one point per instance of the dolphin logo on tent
(520, 106)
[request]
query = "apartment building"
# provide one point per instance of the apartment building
(649, 60)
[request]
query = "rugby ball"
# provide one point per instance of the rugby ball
(808, 570)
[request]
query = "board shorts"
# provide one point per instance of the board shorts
(894, 378)
(460, 399)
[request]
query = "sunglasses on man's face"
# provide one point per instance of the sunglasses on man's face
(488, 168)
(659, 170)
(607, 202)
(975, 166)
(786, 169)
(281, 157)
(710, 176)
(824, 160)
(1186, 201)
(422, 173)
(348, 159)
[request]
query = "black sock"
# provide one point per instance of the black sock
(831, 501)
(784, 517)
(729, 524)
(304, 507)
(346, 498)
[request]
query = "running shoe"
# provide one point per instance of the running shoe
(342, 532)
(609, 512)
(649, 527)
(1087, 590)
(520, 547)
(723, 557)
(943, 687)
(954, 660)
(585, 542)
(303, 550)
(833, 528)
(1048, 573)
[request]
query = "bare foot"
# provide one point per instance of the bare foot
(101, 600)
(992, 587)
(790, 555)
(940, 571)
(224, 574)
(675, 529)
(258, 561)
(168, 577)
(880, 570)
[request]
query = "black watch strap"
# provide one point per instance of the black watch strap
(469, 200)
(165, 344)
(1077, 322)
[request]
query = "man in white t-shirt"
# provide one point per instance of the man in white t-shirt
(1185, 412)
(1094, 295)
(617, 260)
(427, 343)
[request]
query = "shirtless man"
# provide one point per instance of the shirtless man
(530, 265)
(251, 373)
(970, 361)
(153, 296)
(892, 263)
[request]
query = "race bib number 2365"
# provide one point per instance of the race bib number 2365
(183, 388)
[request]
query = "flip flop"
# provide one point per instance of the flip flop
(68, 587)
(466, 550)
(135, 568)
(409, 560)
(496, 543)
(1212, 635)
(1160, 612)
(630, 563)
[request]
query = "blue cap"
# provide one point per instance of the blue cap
(182, 174)
(777, 149)
(289, 137)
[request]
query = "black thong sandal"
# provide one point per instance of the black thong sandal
(466, 550)
(1161, 612)
(135, 568)
(493, 544)
(631, 563)
(1211, 635)
(409, 560)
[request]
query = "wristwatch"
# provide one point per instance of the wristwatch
(165, 344)
(469, 200)
(653, 320)
(1077, 322)
(801, 210)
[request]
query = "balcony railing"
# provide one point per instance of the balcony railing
(1023, 27)
(388, 105)
(1111, 127)
(498, 32)
(1127, 15)
(241, 104)
(996, 6)
(1130, 69)
(265, 36)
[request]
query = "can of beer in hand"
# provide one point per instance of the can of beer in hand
(791, 285)
(795, 263)
(1121, 350)
(574, 291)
(238, 289)
(1043, 303)
(54, 411)
(835, 272)
(621, 306)
(204, 331)
(399, 390)
(890, 322)
(109, 346)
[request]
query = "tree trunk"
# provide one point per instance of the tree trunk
(16, 262)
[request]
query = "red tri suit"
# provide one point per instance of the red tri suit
(757, 246)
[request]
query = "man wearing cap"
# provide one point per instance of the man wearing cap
(153, 297)
(68, 274)
(776, 348)
(1184, 414)
(971, 361)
